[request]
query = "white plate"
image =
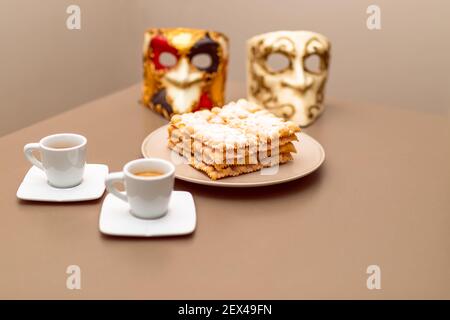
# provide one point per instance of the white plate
(116, 219)
(35, 187)
(310, 155)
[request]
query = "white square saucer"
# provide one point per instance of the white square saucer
(35, 187)
(116, 219)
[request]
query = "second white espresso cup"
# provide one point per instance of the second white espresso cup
(148, 197)
(63, 158)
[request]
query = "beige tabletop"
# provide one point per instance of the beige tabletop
(381, 198)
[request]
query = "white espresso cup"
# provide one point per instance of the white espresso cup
(148, 197)
(62, 158)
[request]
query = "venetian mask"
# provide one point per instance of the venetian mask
(184, 70)
(294, 89)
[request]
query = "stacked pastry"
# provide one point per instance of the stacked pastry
(238, 138)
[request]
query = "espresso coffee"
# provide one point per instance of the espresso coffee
(62, 145)
(148, 174)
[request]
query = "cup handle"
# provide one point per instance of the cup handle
(28, 150)
(113, 178)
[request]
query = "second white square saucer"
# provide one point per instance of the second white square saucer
(116, 219)
(35, 187)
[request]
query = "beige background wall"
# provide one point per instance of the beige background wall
(46, 69)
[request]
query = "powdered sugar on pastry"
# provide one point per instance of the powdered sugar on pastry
(230, 135)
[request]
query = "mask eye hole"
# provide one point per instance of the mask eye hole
(277, 62)
(201, 61)
(167, 59)
(313, 63)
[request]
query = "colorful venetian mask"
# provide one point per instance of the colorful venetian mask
(295, 90)
(184, 70)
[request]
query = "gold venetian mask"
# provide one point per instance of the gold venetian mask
(184, 70)
(295, 90)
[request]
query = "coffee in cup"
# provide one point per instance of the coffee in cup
(148, 174)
